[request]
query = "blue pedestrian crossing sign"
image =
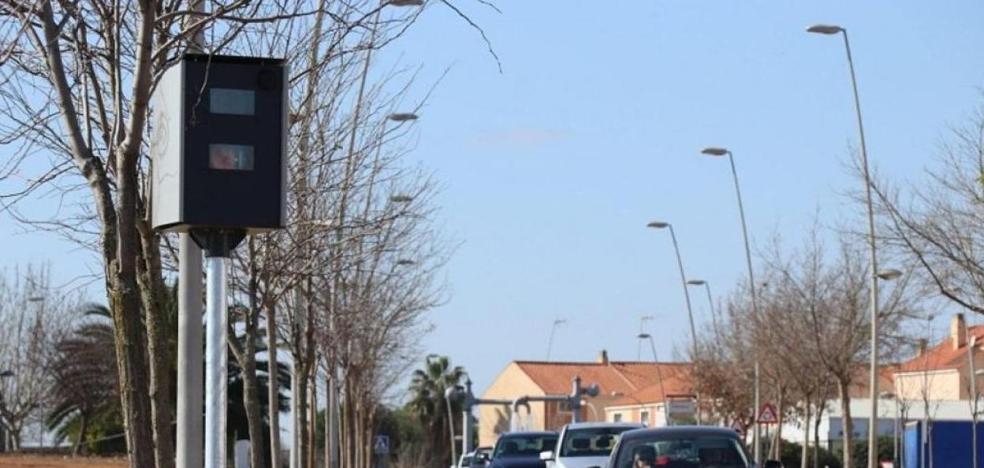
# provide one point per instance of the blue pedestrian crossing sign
(381, 445)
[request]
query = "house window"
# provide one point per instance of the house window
(644, 418)
(617, 417)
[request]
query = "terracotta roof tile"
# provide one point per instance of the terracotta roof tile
(943, 356)
(677, 385)
(618, 377)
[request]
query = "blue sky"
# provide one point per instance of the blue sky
(552, 169)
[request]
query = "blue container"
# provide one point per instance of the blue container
(947, 444)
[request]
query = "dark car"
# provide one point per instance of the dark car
(522, 449)
(680, 447)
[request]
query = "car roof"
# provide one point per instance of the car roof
(582, 425)
(527, 434)
(679, 431)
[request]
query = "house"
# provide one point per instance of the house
(932, 385)
(615, 379)
(648, 405)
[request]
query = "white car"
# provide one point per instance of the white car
(585, 445)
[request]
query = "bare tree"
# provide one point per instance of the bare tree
(76, 81)
(33, 318)
(935, 223)
(830, 296)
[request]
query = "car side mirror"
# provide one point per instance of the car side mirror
(772, 464)
(546, 455)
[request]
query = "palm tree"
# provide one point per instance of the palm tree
(427, 388)
(86, 392)
(86, 387)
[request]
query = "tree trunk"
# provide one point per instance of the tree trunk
(273, 387)
(251, 396)
(133, 382)
(83, 427)
(120, 245)
(777, 440)
(817, 420)
(161, 358)
(805, 455)
(312, 418)
(846, 423)
(299, 402)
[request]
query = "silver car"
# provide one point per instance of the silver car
(583, 445)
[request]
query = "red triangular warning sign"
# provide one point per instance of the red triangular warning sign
(768, 414)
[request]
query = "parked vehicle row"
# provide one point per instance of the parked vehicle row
(620, 445)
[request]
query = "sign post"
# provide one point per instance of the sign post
(768, 416)
(218, 153)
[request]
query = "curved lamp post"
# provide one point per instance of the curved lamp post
(686, 292)
(553, 329)
(659, 376)
(828, 29)
(710, 302)
(717, 152)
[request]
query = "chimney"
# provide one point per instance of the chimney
(603, 357)
(921, 350)
(958, 331)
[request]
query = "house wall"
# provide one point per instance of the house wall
(634, 414)
(511, 383)
(934, 385)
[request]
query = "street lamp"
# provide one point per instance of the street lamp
(402, 3)
(642, 325)
(553, 329)
(890, 274)
(401, 198)
(659, 376)
(710, 302)
(686, 292)
(827, 29)
(405, 262)
(683, 278)
(402, 116)
(718, 152)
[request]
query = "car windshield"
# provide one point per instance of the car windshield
(524, 445)
(682, 452)
(590, 442)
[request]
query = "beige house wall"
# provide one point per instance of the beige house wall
(633, 414)
(511, 383)
(933, 385)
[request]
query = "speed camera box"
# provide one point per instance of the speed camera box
(218, 134)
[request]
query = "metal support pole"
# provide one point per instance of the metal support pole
(454, 452)
(576, 400)
(216, 351)
(710, 305)
(755, 310)
(895, 435)
(873, 265)
(662, 389)
(971, 344)
(190, 360)
(466, 432)
(467, 402)
(690, 311)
